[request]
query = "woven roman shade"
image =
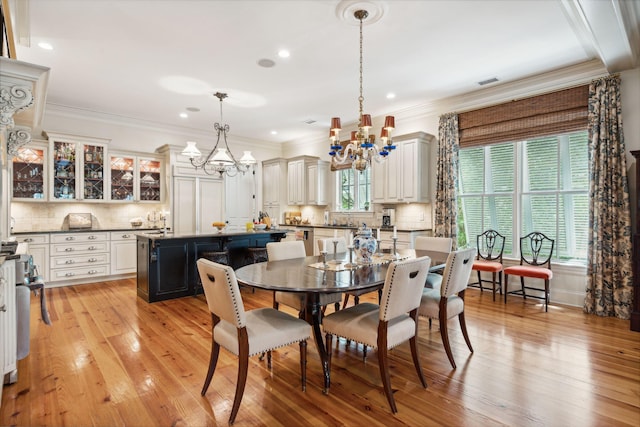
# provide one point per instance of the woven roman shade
(548, 114)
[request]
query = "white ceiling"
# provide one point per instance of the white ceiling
(151, 60)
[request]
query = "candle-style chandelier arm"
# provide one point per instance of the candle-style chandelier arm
(220, 160)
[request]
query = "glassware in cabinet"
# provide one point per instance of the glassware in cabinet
(28, 173)
(149, 179)
(93, 172)
(64, 170)
(122, 177)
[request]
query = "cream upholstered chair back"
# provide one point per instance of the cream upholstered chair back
(457, 271)
(277, 251)
(403, 287)
(427, 243)
(222, 292)
(327, 244)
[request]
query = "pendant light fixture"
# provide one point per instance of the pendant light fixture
(219, 160)
(361, 148)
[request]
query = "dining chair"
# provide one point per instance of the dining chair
(490, 245)
(536, 250)
(283, 250)
(389, 324)
(439, 244)
(245, 333)
(448, 301)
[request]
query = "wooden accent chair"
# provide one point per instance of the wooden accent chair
(490, 246)
(389, 324)
(245, 333)
(448, 301)
(536, 250)
(288, 250)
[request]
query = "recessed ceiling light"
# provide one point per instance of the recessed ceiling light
(266, 63)
(184, 115)
(284, 53)
(45, 45)
(391, 95)
(274, 132)
(193, 109)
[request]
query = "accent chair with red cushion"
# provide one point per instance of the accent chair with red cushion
(489, 260)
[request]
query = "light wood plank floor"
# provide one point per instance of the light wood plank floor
(111, 359)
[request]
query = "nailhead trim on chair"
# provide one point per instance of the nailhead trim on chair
(236, 308)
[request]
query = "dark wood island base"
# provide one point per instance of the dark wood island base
(167, 264)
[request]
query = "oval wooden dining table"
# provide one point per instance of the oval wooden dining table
(310, 276)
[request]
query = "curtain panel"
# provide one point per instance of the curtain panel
(609, 276)
(446, 205)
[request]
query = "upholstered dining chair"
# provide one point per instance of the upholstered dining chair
(277, 251)
(490, 246)
(245, 333)
(536, 250)
(448, 301)
(439, 244)
(389, 324)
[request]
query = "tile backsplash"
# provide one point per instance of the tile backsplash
(51, 216)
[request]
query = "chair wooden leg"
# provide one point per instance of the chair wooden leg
(346, 300)
(546, 295)
(506, 287)
(356, 300)
(463, 327)
(444, 333)
(500, 281)
(480, 281)
(524, 293)
(213, 361)
(416, 360)
(276, 304)
(243, 369)
(383, 363)
(328, 338)
(494, 286)
(269, 359)
(303, 364)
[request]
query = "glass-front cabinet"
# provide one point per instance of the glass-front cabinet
(78, 168)
(135, 178)
(29, 172)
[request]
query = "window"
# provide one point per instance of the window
(539, 184)
(354, 190)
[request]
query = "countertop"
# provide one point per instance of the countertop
(86, 230)
(355, 227)
(159, 235)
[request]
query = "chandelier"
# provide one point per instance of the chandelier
(219, 160)
(361, 148)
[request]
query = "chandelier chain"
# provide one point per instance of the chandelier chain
(361, 98)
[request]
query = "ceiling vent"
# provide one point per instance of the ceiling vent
(309, 121)
(488, 81)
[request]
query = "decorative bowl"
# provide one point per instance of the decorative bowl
(259, 227)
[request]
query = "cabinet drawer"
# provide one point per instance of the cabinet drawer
(122, 235)
(61, 249)
(79, 237)
(33, 239)
(79, 260)
(79, 272)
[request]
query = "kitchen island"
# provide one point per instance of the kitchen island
(167, 263)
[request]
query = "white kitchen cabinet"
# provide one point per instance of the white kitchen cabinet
(8, 320)
(79, 256)
(77, 168)
(404, 176)
(240, 201)
(135, 178)
(406, 239)
(38, 245)
(307, 177)
(274, 188)
(30, 172)
(123, 252)
(197, 203)
(296, 182)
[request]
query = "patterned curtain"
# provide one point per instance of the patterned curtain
(446, 205)
(609, 287)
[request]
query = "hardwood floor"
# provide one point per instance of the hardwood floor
(111, 359)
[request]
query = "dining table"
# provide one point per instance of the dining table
(315, 275)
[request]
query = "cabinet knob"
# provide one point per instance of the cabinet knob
(92, 271)
(92, 237)
(126, 236)
(70, 238)
(93, 259)
(70, 274)
(68, 249)
(69, 261)
(28, 240)
(92, 248)
(3, 308)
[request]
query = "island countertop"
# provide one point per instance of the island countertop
(159, 234)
